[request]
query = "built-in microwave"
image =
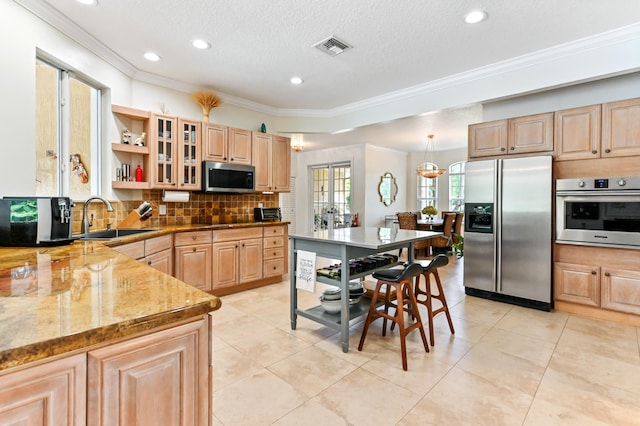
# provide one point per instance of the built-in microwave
(227, 178)
(598, 211)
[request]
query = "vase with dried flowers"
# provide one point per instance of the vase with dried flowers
(207, 101)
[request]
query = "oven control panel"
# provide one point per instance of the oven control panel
(598, 184)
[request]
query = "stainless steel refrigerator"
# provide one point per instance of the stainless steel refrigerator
(508, 230)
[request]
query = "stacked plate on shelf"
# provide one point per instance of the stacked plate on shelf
(331, 297)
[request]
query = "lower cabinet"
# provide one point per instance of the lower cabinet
(158, 253)
(48, 394)
(158, 379)
(275, 251)
(161, 378)
(193, 256)
(605, 278)
(237, 257)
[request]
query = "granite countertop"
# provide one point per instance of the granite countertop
(55, 300)
(172, 229)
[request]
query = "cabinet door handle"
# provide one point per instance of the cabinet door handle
(607, 151)
(148, 262)
(606, 274)
(513, 148)
(194, 238)
(503, 149)
(594, 151)
(593, 272)
(193, 249)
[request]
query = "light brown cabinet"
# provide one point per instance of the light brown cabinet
(53, 393)
(237, 257)
(156, 252)
(193, 257)
(159, 253)
(520, 135)
(272, 160)
(163, 151)
(621, 128)
(227, 144)
(577, 133)
(157, 379)
(596, 277)
(189, 155)
(275, 251)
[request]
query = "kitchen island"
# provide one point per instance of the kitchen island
(343, 245)
(90, 335)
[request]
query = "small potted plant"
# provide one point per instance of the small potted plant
(430, 211)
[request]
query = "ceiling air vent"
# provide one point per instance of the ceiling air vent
(332, 46)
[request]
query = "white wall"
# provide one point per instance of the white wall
(601, 91)
(377, 162)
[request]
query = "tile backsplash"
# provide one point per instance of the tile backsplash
(202, 209)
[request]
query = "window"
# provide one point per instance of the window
(456, 186)
(67, 133)
(427, 188)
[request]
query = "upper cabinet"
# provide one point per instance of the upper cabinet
(521, 135)
(174, 149)
(189, 155)
(598, 131)
(621, 128)
(577, 133)
(226, 144)
(272, 160)
(163, 151)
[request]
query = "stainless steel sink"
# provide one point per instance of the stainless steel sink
(112, 234)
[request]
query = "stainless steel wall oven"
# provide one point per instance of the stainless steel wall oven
(598, 211)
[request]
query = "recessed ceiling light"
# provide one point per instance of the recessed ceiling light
(296, 80)
(200, 44)
(475, 17)
(89, 2)
(150, 56)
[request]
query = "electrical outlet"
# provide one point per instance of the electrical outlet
(163, 209)
(260, 205)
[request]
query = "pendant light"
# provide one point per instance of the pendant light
(423, 170)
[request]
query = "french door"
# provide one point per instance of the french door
(331, 188)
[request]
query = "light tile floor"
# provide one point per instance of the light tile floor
(505, 365)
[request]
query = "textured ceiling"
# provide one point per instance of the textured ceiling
(258, 45)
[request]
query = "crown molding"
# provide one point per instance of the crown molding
(60, 22)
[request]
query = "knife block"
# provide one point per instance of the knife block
(132, 221)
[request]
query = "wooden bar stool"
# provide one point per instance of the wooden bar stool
(399, 280)
(430, 267)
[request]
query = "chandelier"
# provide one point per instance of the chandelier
(296, 143)
(426, 169)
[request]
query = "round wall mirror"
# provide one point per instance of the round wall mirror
(387, 188)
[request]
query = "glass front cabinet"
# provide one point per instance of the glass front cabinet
(190, 156)
(163, 155)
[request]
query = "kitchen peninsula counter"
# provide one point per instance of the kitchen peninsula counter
(66, 299)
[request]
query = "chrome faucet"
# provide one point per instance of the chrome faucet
(86, 223)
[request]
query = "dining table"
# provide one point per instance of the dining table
(429, 224)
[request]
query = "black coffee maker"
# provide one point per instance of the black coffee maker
(35, 221)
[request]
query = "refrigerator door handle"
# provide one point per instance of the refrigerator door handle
(497, 225)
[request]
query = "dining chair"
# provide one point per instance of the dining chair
(410, 221)
(443, 242)
(457, 228)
